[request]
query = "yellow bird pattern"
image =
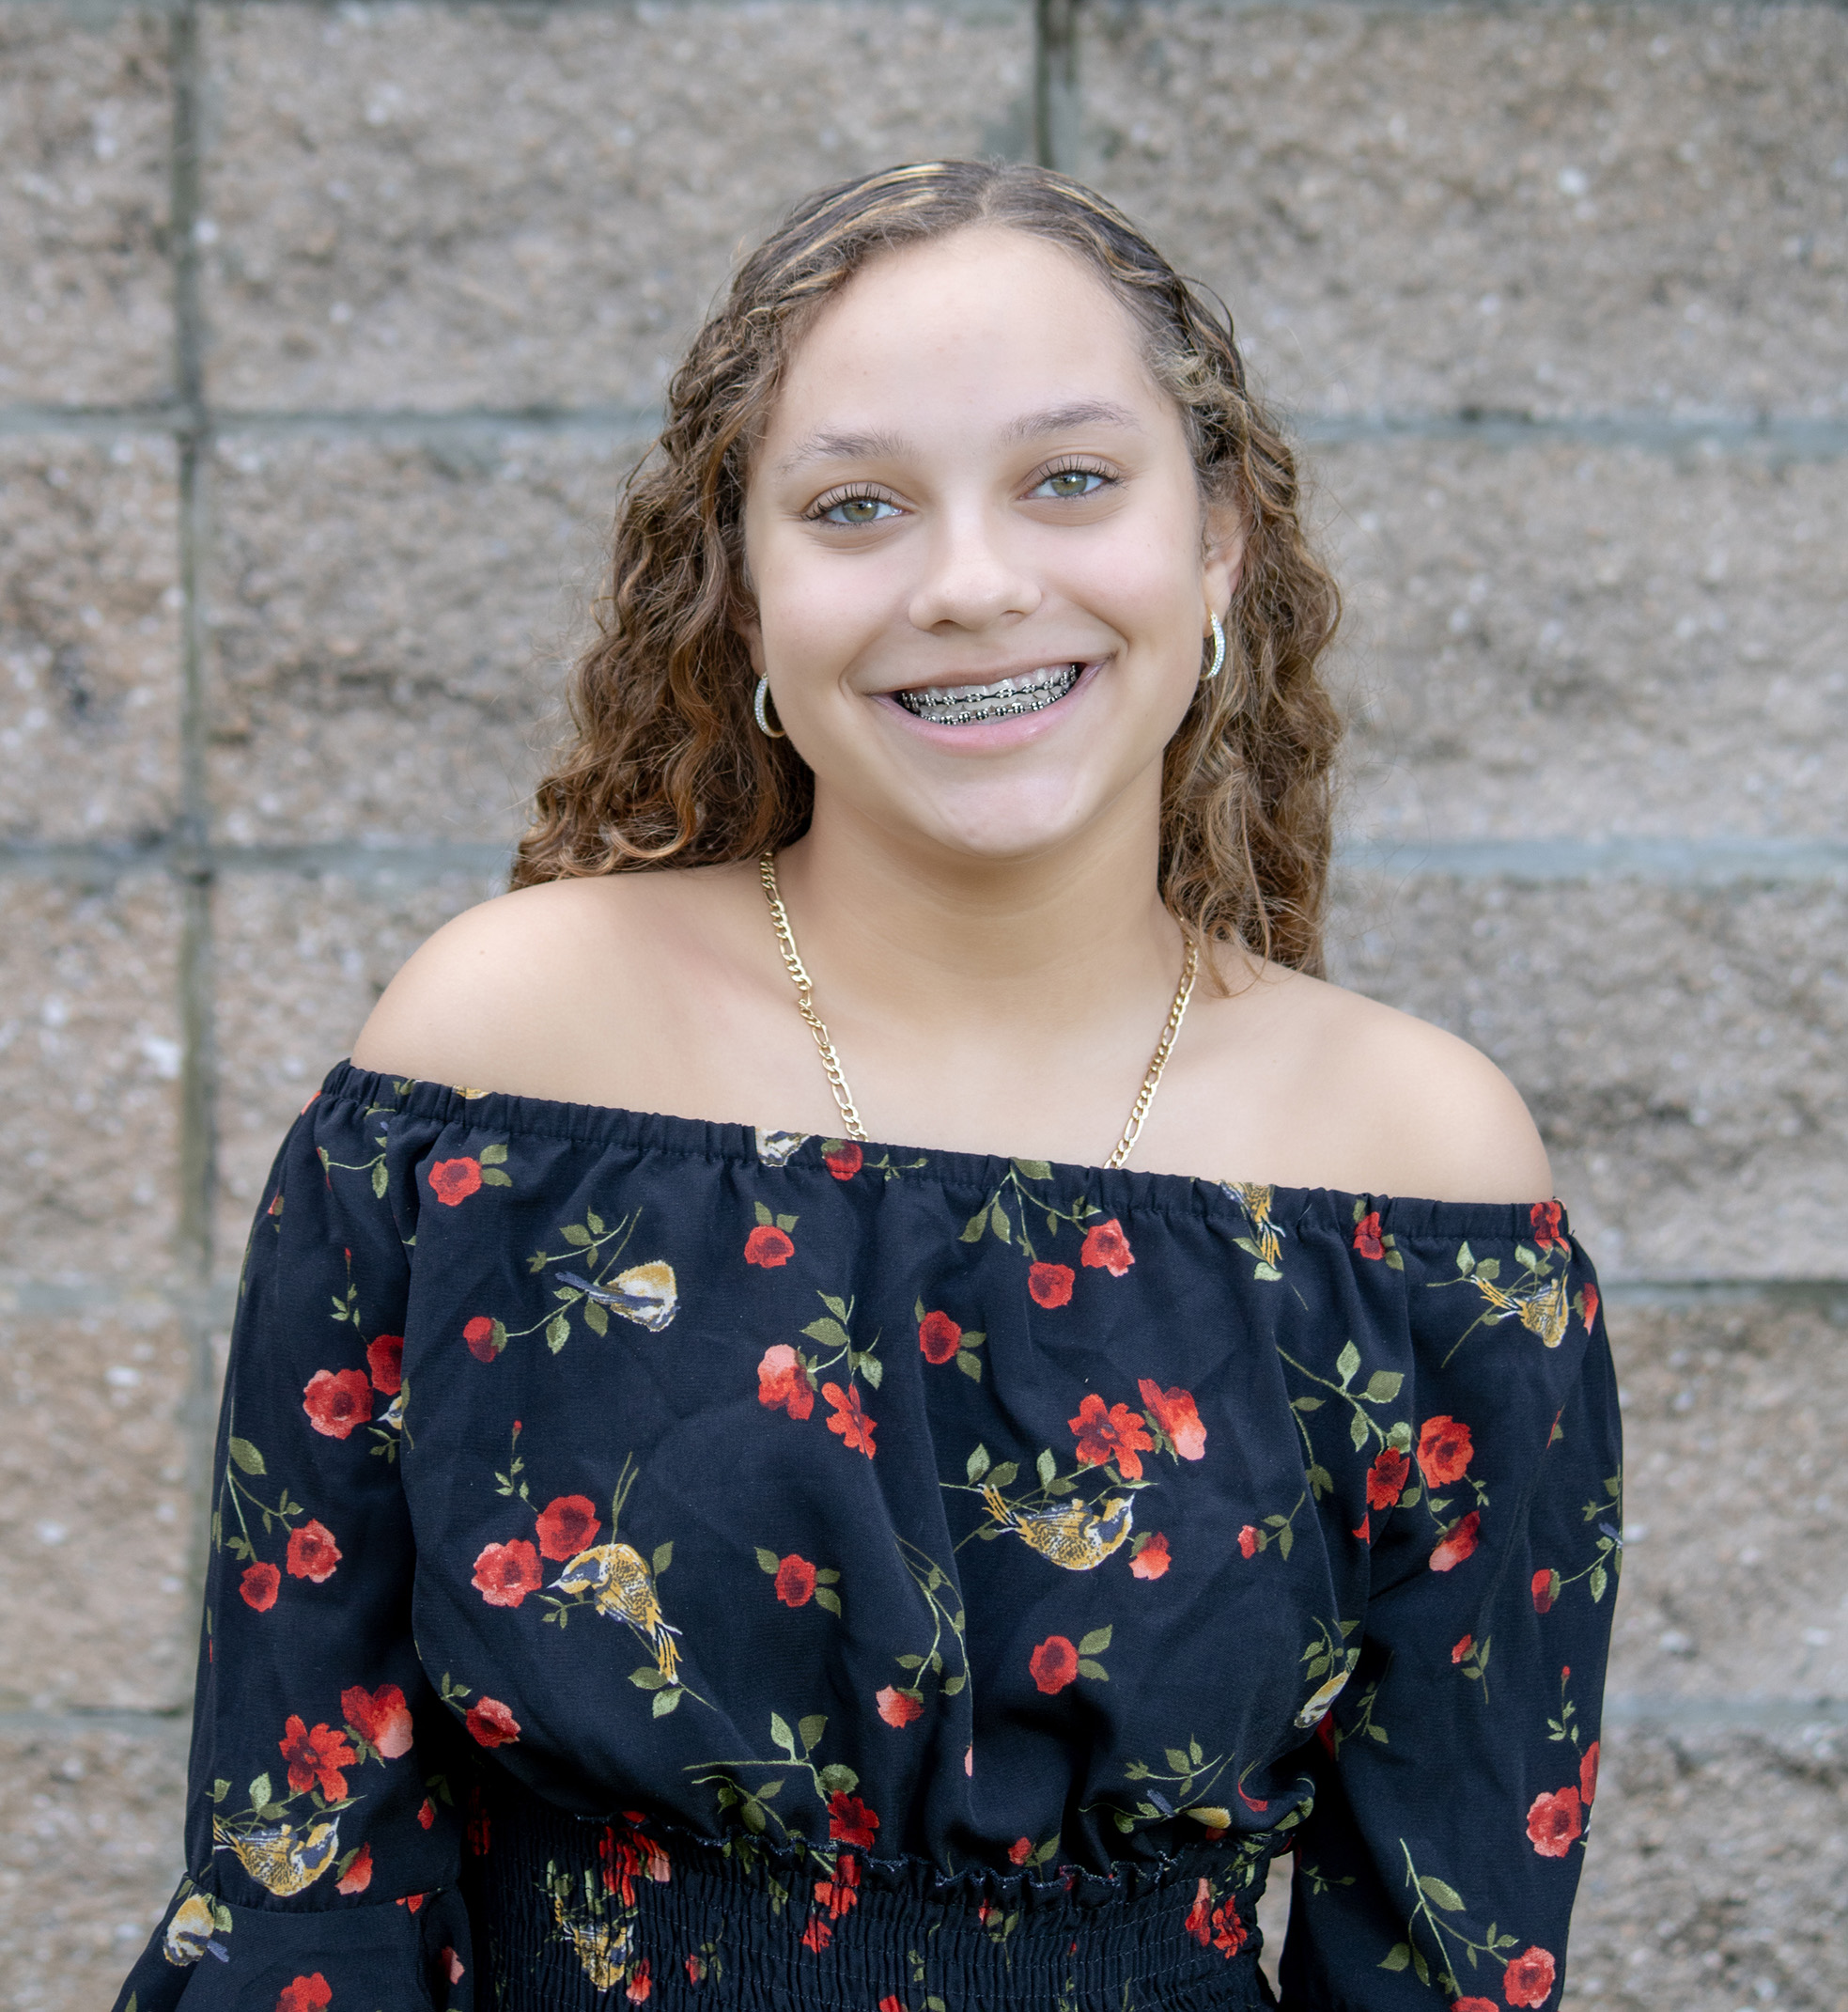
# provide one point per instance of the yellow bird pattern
(280, 1857)
(623, 1587)
(600, 1946)
(191, 1928)
(1255, 1198)
(1542, 1310)
(1075, 1534)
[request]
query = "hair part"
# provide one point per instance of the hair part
(665, 766)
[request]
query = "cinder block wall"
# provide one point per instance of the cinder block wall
(324, 337)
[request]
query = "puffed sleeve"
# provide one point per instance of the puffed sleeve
(1455, 1774)
(321, 1829)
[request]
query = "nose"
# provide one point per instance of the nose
(972, 578)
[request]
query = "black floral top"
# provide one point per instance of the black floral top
(656, 1562)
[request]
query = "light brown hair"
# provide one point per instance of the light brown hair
(666, 766)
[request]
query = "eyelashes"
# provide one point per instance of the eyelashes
(869, 501)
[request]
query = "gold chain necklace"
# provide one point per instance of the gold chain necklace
(831, 1062)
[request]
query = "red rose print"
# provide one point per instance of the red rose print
(1553, 1823)
(1590, 1296)
(358, 1876)
(1367, 1237)
(1463, 1648)
(1248, 1540)
(1020, 1850)
(1545, 1217)
(1475, 2004)
(412, 1902)
(1529, 1979)
(842, 1157)
(1116, 1434)
(312, 1553)
(479, 1334)
(1363, 1530)
(1545, 1589)
(427, 1815)
(892, 2004)
(1443, 1451)
(1152, 1561)
(1459, 1543)
(506, 1573)
(697, 1970)
(491, 1723)
(898, 1707)
(1228, 1931)
(853, 1425)
(567, 1524)
(1387, 1477)
(768, 1246)
(1587, 1776)
(782, 1384)
(384, 1358)
(316, 1758)
(336, 1400)
(306, 1994)
(1053, 1664)
(452, 1182)
(379, 1717)
(258, 1586)
(1107, 1249)
(1051, 1285)
(1199, 1922)
(1177, 1415)
(640, 1984)
(837, 1894)
(795, 1581)
(456, 1968)
(818, 1934)
(849, 1821)
(939, 1336)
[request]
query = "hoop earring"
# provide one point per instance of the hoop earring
(761, 716)
(1217, 664)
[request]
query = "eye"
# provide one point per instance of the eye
(853, 510)
(1067, 483)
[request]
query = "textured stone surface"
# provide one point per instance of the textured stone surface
(1545, 209)
(84, 121)
(1734, 1505)
(389, 623)
(90, 1852)
(90, 623)
(1713, 1874)
(1566, 641)
(367, 248)
(89, 1067)
(1682, 1050)
(96, 1518)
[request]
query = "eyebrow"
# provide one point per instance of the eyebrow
(1029, 426)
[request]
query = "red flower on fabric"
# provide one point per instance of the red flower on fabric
(453, 1181)
(768, 1246)
(782, 1384)
(379, 1717)
(476, 1831)
(1051, 1285)
(1177, 1415)
(384, 1358)
(427, 1815)
(842, 1157)
(336, 1400)
(1463, 1648)
(695, 1970)
(506, 1573)
(1367, 1237)
(1199, 1922)
(1529, 1979)
(939, 1336)
(1589, 1293)
(312, 1553)
(640, 1984)
(1113, 1434)
(1459, 1543)
(457, 1970)
(306, 1994)
(1229, 1932)
(1444, 1451)
(1545, 1217)
(795, 1581)
(567, 1524)
(1587, 1776)
(898, 1707)
(1020, 1850)
(1105, 1248)
(1152, 1561)
(479, 1334)
(491, 1723)
(818, 1934)
(854, 1425)
(1545, 1589)
(1475, 2004)
(1553, 1823)
(849, 1820)
(1387, 1477)
(358, 1876)
(258, 1586)
(842, 1892)
(1249, 1540)
(316, 1758)
(1053, 1664)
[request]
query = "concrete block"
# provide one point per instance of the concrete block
(96, 1525)
(1681, 1048)
(1561, 641)
(1544, 209)
(90, 1852)
(89, 1068)
(469, 206)
(389, 626)
(85, 123)
(90, 638)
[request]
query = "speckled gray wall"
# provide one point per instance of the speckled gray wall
(326, 334)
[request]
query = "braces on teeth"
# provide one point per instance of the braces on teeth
(963, 705)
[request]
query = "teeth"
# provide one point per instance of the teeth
(963, 705)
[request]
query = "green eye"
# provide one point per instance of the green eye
(856, 510)
(1071, 482)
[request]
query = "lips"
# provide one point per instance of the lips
(963, 705)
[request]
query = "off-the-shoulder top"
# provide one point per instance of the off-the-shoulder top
(654, 1562)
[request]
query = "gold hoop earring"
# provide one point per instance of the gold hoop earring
(1217, 664)
(762, 717)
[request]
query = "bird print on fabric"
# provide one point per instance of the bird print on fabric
(618, 1583)
(284, 1858)
(1076, 1535)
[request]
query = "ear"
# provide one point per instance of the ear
(1222, 555)
(752, 632)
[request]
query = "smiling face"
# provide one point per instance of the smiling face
(982, 565)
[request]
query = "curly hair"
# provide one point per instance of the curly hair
(665, 766)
